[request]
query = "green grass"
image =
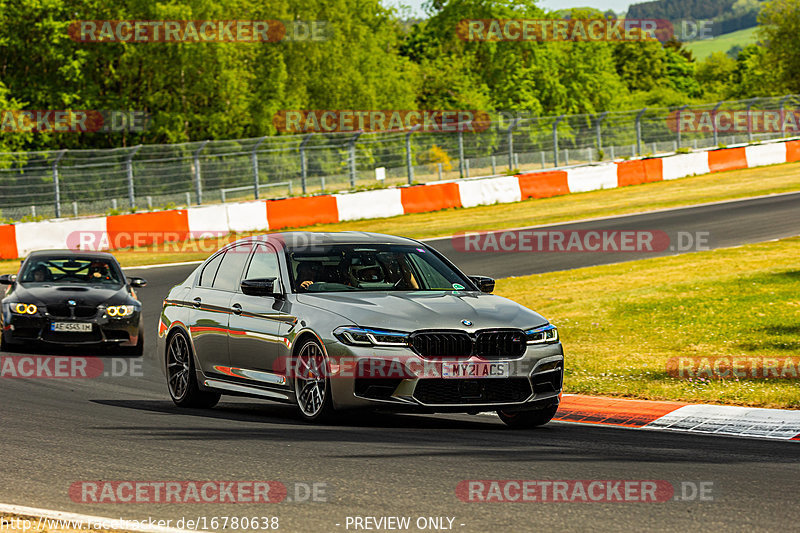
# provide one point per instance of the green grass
(721, 43)
(620, 324)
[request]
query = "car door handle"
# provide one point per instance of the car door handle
(237, 309)
(197, 301)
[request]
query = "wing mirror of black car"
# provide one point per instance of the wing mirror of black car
(484, 283)
(259, 287)
(137, 282)
(8, 279)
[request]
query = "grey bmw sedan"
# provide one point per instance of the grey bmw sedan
(337, 321)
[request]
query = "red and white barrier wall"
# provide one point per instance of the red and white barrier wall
(780, 424)
(17, 240)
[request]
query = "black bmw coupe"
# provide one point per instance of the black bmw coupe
(63, 297)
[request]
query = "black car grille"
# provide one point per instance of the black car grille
(548, 378)
(442, 344)
(63, 311)
(489, 344)
(472, 391)
(376, 388)
(501, 343)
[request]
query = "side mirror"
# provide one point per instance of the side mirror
(137, 282)
(484, 283)
(259, 287)
(8, 279)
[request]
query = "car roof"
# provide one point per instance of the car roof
(76, 253)
(292, 239)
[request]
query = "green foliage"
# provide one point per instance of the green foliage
(779, 29)
(373, 60)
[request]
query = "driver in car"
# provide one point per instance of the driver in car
(41, 273)
(98, 270)
(307, 275)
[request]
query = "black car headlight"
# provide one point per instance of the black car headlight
(23, 308)
(370, 337)
(544, 335)
(120, 311)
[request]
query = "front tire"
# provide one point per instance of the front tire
(181, 376)
(528, 419)
(311, 383)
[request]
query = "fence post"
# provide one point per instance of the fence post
(129, 170)
(439, 165)
(750, 103)
(678, 123)
(303, 162)
(409, 166)
(598, 123)
(494, 166)
(555, 140)
(783, 116)
(714, 121)
(639, 131)
(254, 159)
(352, 143)
(460, 153)
(198, 185)
(56, 185)
(510, 133)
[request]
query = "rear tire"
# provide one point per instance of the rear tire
(528, 419)
(181, 376)
(312, 385)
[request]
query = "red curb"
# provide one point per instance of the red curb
(613, 411)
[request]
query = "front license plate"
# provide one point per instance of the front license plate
(77, 327)
(475, 370)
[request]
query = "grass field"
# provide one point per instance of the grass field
(722, 43)
(620, 324)
(633, 199)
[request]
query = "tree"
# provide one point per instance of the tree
(779, 27)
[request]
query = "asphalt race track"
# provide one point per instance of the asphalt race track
(56, 432)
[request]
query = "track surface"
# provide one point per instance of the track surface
(56, 432)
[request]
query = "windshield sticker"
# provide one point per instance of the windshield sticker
(458, 287)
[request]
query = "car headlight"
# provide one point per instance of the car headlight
(120, 311)
(544, 335)
(370, 337)
(24, 309)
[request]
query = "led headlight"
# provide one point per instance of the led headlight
(120, 311)
(544, 335)
(370, 337)
(24, 309)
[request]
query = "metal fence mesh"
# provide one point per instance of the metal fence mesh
(81, 182)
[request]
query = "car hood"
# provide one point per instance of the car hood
(410, 311)
(48, 294)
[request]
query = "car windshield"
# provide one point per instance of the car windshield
(351, 267)
(70, 269)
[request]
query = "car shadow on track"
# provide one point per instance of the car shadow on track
(442, 436)
(286, 414)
